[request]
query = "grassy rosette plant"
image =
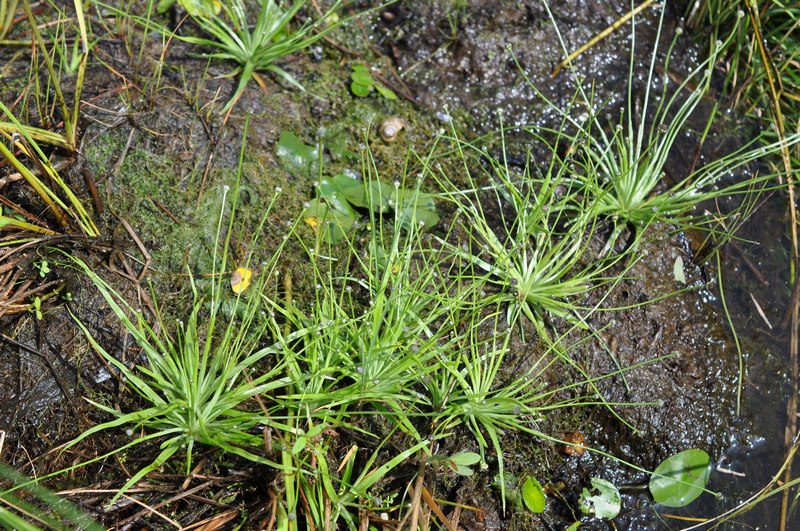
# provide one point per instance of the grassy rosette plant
(535, 248)
(196, 383)
(256, 48)
(621, 171)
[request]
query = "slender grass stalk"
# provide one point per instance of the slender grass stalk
(70, 113)
(62, 211)
(8, 9)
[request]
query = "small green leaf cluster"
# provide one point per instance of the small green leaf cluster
(458, 463)
(676, 482)
(333, 213)
(362, 83)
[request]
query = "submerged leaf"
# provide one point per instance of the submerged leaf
(341, 191)
(331, 224)
(299, 158)
(606, 503)
(416, 208)
(680, 479)
(460, 462)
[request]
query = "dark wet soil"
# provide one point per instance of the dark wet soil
(160, 153)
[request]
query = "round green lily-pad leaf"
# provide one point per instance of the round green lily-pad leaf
(680, 479)
(533, 495)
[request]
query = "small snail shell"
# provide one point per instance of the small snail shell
(390, 128)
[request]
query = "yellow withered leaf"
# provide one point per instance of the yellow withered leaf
(312, 221)
(240, 279)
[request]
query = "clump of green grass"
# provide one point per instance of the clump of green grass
(404, 329)
(258, 47)
(621, 172)
(196, 385)
(379, 323)
(537, 251)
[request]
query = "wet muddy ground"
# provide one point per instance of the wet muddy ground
(160, 154)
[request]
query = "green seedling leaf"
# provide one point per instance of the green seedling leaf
(331, 224)
(299, 445)
(533, 495)
(466, 458)
(605, 504)
(362, 81)
(458, 463)
(461, 462)
(680, 479)
(416, 208)
(362, 91)
(299, 158)
(362, 77)
(386, 92)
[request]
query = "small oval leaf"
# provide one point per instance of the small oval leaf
(362, 91)
(386, 92)
(680, 479)
(466, 458)
(533, 495)
(606, 503)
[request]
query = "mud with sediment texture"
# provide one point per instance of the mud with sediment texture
(158, 149)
